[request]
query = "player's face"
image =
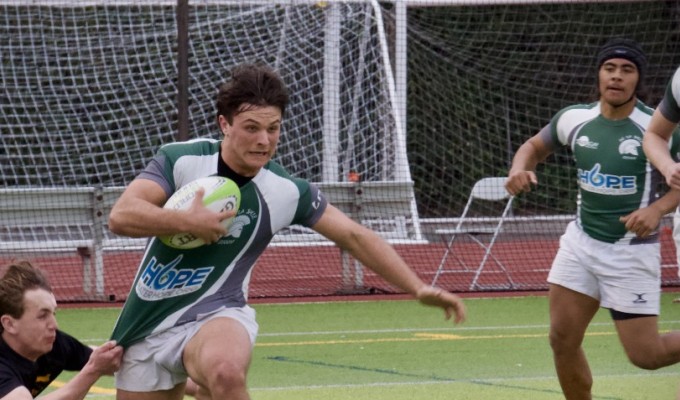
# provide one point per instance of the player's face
(618, 79)
(251, 139)
(36, 330)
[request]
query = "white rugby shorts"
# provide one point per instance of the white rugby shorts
(156, 362)
(625, 278)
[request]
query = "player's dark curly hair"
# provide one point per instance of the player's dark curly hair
(20, 277)
(255, 84)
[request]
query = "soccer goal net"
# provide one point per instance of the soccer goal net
(90, 91)
(483, 77)
(397, 109)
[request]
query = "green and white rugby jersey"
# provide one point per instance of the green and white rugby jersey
(174, 286)
(670, 108)
(670, 104)
(613, 173)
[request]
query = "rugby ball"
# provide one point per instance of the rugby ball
(219, 194)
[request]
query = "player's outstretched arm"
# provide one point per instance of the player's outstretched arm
(378, 255)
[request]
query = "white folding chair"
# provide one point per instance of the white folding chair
(489, 189)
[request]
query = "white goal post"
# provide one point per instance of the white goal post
(92, 94)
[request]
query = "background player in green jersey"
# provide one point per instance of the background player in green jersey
(656, 144)
(609, 256)
(201, 326)
(660, 130)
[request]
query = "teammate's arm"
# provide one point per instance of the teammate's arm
(521, 176)
(375, 253)
(645, 220)
(655, 145)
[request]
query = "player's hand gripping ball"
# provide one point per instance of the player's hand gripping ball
(219, 194)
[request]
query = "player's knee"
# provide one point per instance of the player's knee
(646, 363)
(563, 341)
(650, 356)
(226, 375)
(647, 360)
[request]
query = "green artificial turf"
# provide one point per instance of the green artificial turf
(398, 349)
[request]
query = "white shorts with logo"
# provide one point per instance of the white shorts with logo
(156, 362)
(625, 278)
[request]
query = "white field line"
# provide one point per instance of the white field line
(101, 392)
(644, 374)
(451, 330)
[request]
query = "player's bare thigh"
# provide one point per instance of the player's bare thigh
(570, 312)
(221, 344)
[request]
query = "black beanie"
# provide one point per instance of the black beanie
(623, 48)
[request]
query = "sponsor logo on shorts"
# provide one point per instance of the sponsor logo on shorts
(159, 281)
(639, 299)
(596, 182)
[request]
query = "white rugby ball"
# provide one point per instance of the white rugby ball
(219, 194)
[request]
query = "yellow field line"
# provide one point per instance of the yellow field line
(93, 389)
